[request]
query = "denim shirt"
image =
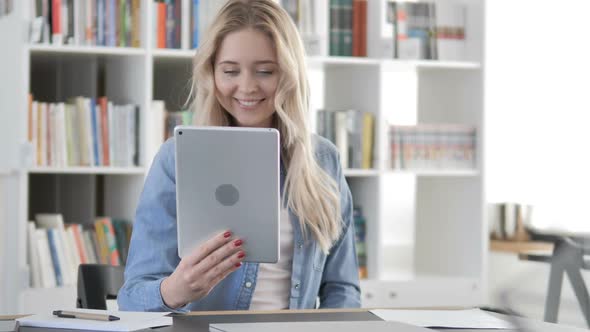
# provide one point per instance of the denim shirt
(153, 253)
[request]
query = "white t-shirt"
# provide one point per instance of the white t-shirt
(273, 286)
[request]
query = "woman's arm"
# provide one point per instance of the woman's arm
(153, 250)
(340, 281)
(155, 277)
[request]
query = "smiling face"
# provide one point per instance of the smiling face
(246, 77)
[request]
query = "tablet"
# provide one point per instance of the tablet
(228, 178)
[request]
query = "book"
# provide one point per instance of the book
(108, 244)
(33, 258)
(57, 256)
(48, 276)
(65, 266)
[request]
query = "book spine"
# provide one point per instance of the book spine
(161, 25)
(114, 257)
(136, 23)
(195, 23)
(356, 28)
(334, 28)
(94, 128)
(52, 239)
(56, 22)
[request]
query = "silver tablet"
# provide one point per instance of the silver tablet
(228, 178)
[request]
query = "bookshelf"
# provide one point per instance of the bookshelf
(425, 228)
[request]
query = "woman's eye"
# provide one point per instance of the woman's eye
(265, 72)
(230, 72)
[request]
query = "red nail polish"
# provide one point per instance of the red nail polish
(241, 254)
(238, 243)
(238, 264)
(227, 234)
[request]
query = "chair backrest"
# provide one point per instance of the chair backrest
(97, 283)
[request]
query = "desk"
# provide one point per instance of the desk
(199, 321)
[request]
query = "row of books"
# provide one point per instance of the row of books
(167, 23)
(55, 249)
(6, 7)
(84, 132)
(433, 146)
(427, 30)
(348, 28)
(170, 16)
(86, 22)
(352, 132)
(360, 229)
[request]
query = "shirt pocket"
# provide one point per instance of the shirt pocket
(319, 258)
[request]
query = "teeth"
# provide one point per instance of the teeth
(248, 103)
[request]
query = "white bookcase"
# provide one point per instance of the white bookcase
(426, 231)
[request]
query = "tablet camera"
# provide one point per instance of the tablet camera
(227, 195)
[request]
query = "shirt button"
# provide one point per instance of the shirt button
(248, 284)
(300, 245)
(297, 286)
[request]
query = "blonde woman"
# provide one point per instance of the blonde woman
(250, 71)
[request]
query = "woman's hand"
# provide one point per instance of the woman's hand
(200, 271)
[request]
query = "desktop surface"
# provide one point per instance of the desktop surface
(199, 322)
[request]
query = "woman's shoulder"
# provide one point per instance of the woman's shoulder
(165, 158)
(323, 147)
(326, 153)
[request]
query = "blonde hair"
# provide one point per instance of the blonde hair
(312, 194)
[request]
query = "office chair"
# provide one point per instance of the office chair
(97, 283)
(570, 256)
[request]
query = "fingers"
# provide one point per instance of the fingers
(219, 256)
(223, 269)
(208, 247)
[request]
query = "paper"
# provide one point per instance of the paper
(460, 319)
(130, 321)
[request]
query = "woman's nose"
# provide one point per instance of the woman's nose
(248, 84)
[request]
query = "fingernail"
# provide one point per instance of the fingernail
(227, 234)
(238, 264)
(241, 254)
(238, 243)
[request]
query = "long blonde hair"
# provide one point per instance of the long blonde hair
(309, 191)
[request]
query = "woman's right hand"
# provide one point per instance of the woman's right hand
(200, 271)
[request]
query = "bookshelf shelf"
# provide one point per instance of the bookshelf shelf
(436, 173)
(173, 53)
(389, 64)
(89, 170)
(342, 61)
(86, 50)
(360, 172)
(432, 64)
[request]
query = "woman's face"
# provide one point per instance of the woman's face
(246, 77)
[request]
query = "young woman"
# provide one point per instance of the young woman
(250, 71)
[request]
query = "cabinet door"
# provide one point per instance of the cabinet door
(13, 89)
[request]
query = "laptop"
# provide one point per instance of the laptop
(227, 178)
(372, 326)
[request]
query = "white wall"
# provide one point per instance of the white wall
(537, 112)
(537, 106)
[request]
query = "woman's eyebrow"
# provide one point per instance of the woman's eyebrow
(259, 62)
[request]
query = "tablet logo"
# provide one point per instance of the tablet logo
(227, 194)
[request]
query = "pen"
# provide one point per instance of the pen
(84, 315)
